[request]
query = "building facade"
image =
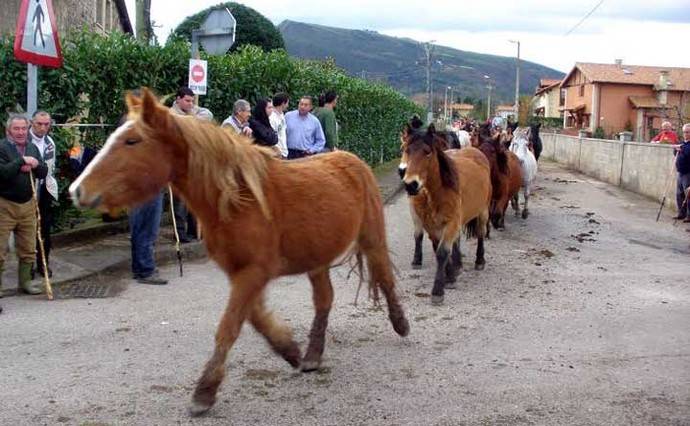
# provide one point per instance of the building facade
(548, 100)
(96, 15)
(618, 97)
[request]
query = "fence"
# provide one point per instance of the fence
(639, 167)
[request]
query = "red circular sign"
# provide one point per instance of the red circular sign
(198, 73)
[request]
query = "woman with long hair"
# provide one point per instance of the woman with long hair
(260, 124)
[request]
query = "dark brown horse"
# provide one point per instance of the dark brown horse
(449, 190)
(263, 218)
(506, 174)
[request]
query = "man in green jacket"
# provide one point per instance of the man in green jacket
(326, 117)
(18, 159)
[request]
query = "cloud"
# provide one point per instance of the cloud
(638, 31)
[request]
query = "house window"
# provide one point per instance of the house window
(561, 101)
(582, 90)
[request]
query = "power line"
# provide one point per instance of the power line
(584, 18)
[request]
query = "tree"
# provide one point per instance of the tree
(252, 27)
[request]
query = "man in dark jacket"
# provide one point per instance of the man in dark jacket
(18, 159)
(683, 168)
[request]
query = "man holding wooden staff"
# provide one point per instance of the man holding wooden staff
(18, 159)
(683, 168)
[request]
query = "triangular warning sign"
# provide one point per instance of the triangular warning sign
(36, 39)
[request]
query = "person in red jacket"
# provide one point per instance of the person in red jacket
(666, 135)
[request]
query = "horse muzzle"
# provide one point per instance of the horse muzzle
(402, 170)
(412, 188)
(81, 200)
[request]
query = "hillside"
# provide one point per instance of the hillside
(401, 62)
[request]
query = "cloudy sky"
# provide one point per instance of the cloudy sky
(641, 32)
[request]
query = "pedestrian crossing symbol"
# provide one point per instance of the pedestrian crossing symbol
(36, 39)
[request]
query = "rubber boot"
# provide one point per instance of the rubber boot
(24, 278)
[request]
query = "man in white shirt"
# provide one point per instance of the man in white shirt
(47, 189)
(277, 118)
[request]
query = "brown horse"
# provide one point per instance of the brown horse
(506, 175)
(263, 218)
(449, 190)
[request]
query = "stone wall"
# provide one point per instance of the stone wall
(640, 167)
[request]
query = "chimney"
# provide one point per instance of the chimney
(619, 63)
(663, 79)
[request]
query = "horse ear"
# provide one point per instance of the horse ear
(431, 129)
(407, 129)
(133, 102)
(149, 107)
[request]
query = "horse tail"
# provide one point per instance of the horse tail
(472, 229)
(371, 242)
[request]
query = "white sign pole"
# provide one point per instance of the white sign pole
(31, 88)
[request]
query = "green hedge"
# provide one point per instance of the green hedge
(99, 70)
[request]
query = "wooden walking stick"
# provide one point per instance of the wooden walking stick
(46, 278)
(177, 236)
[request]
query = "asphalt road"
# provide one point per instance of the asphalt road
(581, 317)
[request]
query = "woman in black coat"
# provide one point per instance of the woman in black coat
(262, 131)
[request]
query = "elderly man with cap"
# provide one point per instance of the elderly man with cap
(18, 160)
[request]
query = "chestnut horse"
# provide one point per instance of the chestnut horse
(263, 218)
(506, 175)
(449, 190)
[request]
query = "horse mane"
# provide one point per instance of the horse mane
(449, 175)
(220, 160)
(501, 157)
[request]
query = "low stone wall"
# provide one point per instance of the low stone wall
(640, 167)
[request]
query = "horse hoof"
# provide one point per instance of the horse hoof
(479, 266)
(401, 326)
(197, 409)
(416, 265)
(436, 300)
(308, 366)
(525, 214)
(450, 284)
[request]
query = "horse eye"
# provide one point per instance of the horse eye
(132, 141)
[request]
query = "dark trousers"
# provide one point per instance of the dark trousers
(296, 153)
(682, 186)
(184, 220)
(144, 223)
(45, 208)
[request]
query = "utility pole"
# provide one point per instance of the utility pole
(517, 81)
(143, 14)
(364, 75)
(429, 48)
(445, 106)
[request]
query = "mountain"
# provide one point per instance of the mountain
(401, 62)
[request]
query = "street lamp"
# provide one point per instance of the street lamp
(517, 80)
(445, 105)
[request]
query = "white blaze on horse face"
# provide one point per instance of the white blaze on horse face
(97, 159)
